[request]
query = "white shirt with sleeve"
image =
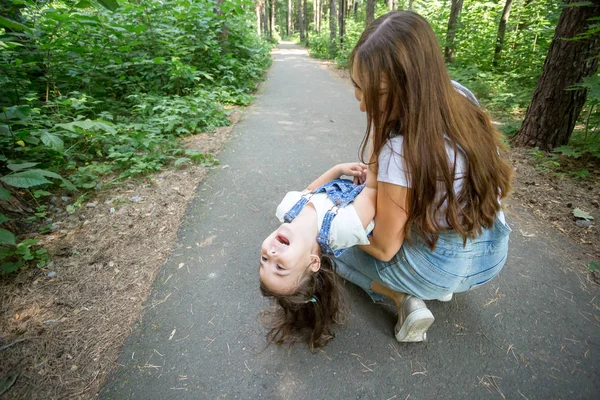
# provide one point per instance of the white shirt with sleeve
(392, 169)
(346, 228)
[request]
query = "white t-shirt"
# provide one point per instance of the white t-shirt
(392, 169)
(346, 228)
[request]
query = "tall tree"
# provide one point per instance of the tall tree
(451, 34)
(370, 12)
(319, 13)
(288, 19)
(306, 24)
(573, 55)
(258, 10)
(342, 17)
(501, 32)
(332, 28)
(272, 17)
(300, 20)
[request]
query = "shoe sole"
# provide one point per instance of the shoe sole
(414, 329)
(446, 298)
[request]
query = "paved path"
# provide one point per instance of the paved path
(532, 333)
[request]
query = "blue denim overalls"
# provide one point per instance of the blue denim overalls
(341, 192)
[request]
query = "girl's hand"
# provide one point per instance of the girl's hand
(356, 170)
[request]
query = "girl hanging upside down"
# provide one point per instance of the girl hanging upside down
(296, 262)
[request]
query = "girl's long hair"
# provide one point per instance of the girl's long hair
(295, 318)
(422, 105)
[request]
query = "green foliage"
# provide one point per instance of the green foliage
(96, 91)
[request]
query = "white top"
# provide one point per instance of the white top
(392, 169)
(346, 228)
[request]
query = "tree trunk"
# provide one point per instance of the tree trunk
(306, 24)
(265, 18)
(342, 23)
(501, 32)
(224, 35)
(319, 15)
(451, 34)
(410, 4)
(370, 12)
(272, 19)
(332, 29)
(300, 20)
(288, 17)
(551, 116)
(258, 19)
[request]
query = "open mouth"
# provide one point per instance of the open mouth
(282, 239)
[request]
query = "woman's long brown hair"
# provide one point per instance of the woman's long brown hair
(422, 105)
(295, 318)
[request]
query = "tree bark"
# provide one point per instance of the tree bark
(553, 111)
(342, 23)
(451, 34)
(501, 32)
(300, 20)
(306, 24)
(319, 15)
(332, 29)
(288, 17)
(370, 12)
(258, 19)
(272, 18)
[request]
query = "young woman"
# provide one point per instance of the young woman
(439, 227)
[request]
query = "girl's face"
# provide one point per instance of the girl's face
(286, 255)
(358, 91)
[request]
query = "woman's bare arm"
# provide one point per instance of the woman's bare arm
(390, 219)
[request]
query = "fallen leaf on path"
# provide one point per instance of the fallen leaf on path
(209, 240)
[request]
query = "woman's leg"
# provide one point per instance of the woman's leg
(413, 316)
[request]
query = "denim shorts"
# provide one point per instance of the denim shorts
(431, 274)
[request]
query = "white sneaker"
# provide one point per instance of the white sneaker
(446, 298)
(414, 318)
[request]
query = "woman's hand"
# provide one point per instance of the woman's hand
(356, 170)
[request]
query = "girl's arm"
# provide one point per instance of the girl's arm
(390, 219)
(349, 169)
(366, 201)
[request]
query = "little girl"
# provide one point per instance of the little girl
(296, 268)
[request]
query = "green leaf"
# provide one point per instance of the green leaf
(111, 5)
(594, 266)
(19, 167)
(4, 193)
(579, 213)
(83, 4)
(7, 237)
(10, 24)
(53, 141)
(8, 267)
(25, 179)
(3, 218)
(182, 160)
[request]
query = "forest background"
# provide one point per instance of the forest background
(94, 93)
(90, 96)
